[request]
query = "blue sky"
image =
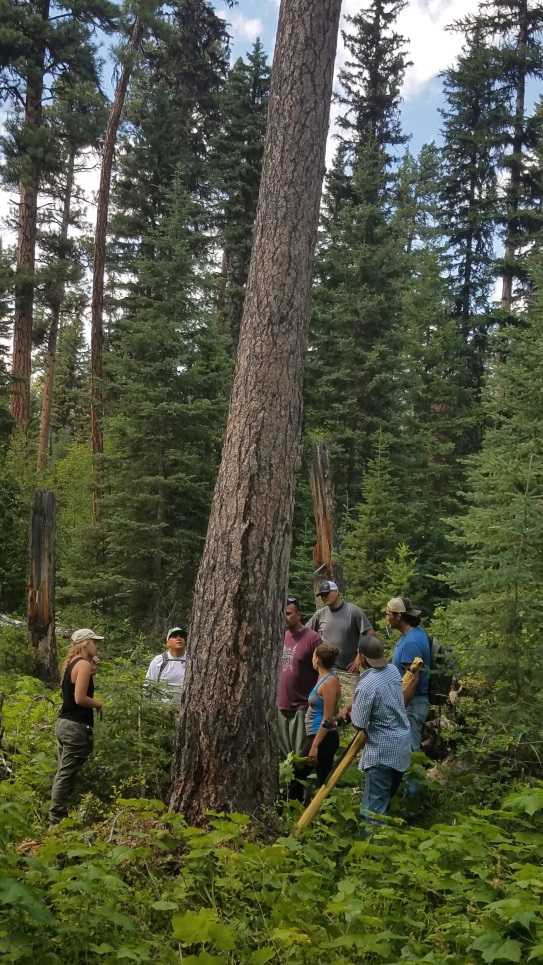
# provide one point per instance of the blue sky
(431, 48)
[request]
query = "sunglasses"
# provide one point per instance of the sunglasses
(292, 599)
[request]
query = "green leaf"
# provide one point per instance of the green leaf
(116, 917)
(494, 949)
(204, 958)
(262, 955)
(193, 928)
(164, 905)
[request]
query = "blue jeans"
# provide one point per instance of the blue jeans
(380, 786)
(417, 712)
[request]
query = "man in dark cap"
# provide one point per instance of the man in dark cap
(378, 709)
(342, 625)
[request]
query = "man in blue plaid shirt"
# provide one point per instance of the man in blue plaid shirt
(378, 709)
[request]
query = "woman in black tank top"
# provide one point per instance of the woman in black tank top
(74, 727)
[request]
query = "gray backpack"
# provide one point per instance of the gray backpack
(441, 673)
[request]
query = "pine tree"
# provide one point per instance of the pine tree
(501, 534)
(237, 157)
(175, 89)
(379, 525)
(371, 81)
(69, 412)
(439, 415)
(77, 115)
(351, 390)
(6, 422)
(473, 122)
(506, 36)
(168, 367)
(41, 42)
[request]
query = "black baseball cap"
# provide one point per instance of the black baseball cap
(373, 650)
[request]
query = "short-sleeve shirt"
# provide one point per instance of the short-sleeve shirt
(173, 674)
(297, 677)
(341, 627)
(413, 644)
(378, 709)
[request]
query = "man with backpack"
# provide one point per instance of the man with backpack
(169, 667)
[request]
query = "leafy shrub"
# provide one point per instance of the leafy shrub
(142, 886)
(132, 748)
(16, 656)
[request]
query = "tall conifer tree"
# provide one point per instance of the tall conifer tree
(501, 535)
(168, 367)
(351, 386)
(41, 41)
(237, 157)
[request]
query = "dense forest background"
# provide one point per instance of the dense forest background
(422, 369)
(424, 363)
(424, 378)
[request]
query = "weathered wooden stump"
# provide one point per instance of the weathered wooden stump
(41, 584)
(322, 495)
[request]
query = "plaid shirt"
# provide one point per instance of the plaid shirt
(378, 709)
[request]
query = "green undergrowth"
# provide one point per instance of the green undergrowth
(125, 880)
(141, 886)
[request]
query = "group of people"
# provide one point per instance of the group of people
(336, 653)
(74, 728)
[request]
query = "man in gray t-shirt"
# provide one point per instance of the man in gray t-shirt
(342, 625)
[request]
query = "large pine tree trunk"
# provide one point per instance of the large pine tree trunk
(41, 583)
(226, 749)
(97, 304)
(56, 306)
(26, 239)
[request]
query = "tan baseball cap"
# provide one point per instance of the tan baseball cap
(401, 604)
(79, 636)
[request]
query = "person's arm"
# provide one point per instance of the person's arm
(362, 707)
(83, 673)
(410, 690)
(152, 670)
(329, 693)
(314, 621)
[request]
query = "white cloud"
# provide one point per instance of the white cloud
(430, 46)
(247, 27)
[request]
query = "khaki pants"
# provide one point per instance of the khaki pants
(74, 747)
(292, 736)
(293, 740)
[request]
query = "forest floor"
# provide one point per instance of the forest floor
(124, 879)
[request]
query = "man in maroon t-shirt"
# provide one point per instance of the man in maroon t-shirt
(296, 681)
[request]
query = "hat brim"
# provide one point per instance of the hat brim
(413, 612)
(377, 662)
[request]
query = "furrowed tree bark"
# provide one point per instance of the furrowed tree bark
(226, 754)
(41, 584)
(56, 306)
(322, 496)
(97, 302)
(26, 240)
